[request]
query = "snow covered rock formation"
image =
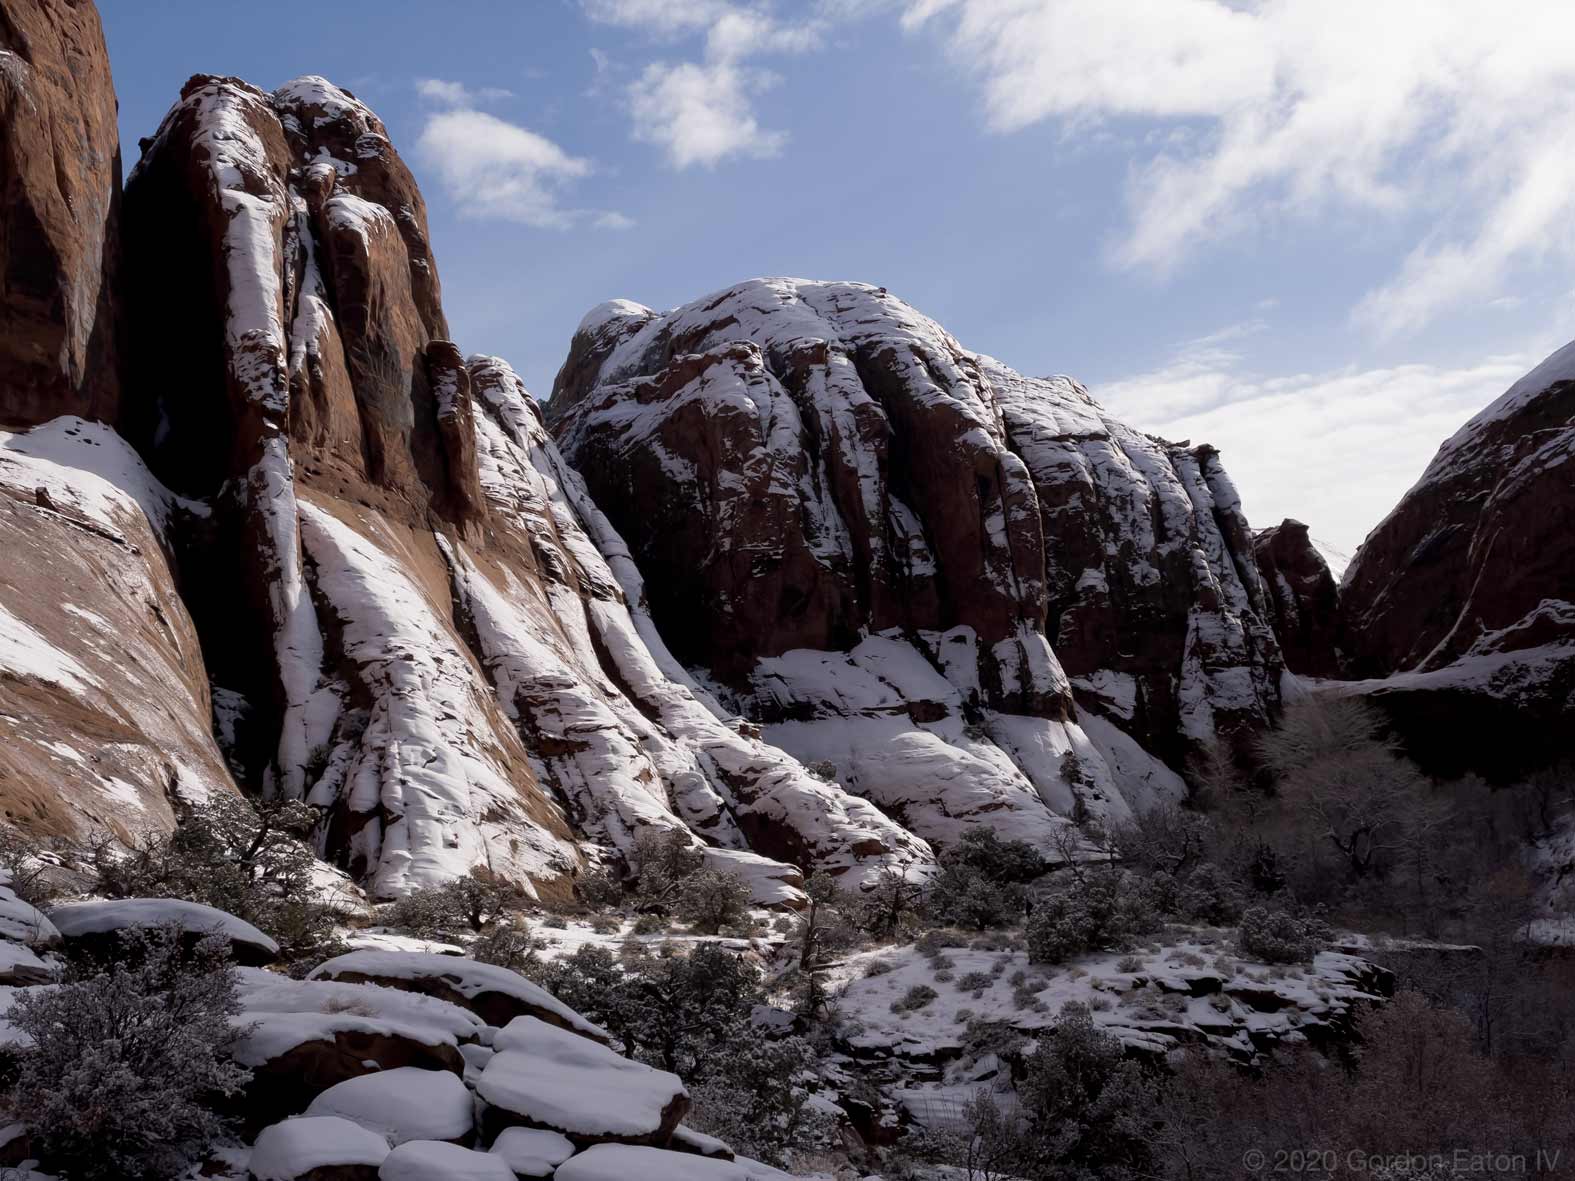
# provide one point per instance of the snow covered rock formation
(1461, 603)
(974, 596)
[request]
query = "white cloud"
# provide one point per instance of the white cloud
(445, 93)
(702, 112)
(493, 168)
(1335, 449)
(1461, 110)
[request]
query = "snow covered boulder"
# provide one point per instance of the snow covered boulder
(434, 1160)
(21, 965)
(532, 1152)
(406, 1103)
(304, 1036)
(317, 1148)
(22, 922)
(494, 994)
(621, 1162)
(97, 925)
(698, 1143)
(545, 1077)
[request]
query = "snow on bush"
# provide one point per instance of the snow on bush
(1279, 937)
(122, 1065)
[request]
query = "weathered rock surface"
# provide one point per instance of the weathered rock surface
(59, 214)
(1461, 603)
(872, 540)
(1302, 598)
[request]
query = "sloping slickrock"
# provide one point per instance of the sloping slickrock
(104, 702)
(1302, 597)
(495, 994)
(59, 214)
(317, 1148)
(546, 1077)
(560, 618)
(803, 468)
(433, 1160)
(1466, 588)
(86, 922)
(403, 1104)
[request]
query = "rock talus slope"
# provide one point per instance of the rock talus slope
(891, 552)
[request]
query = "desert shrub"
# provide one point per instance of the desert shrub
(650, 924)
(888, 905)
(1089, 910)
(507, 943)
(981, 881)
(711, 899)
(877, 968)
(123, 1064)
(914, 999)
(1208, 895)
(661, 861)
(1280, 937)
(466, 905)
(252, 861)
(1086, 1105)
(758, 1100)
(683, 1013)
(1168, 838)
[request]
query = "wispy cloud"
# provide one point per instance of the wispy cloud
(1460, 111)
(701, 112)
(443, 92)
(490, 167)
(1334, 448)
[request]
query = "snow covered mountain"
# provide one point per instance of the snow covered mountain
(787, 569)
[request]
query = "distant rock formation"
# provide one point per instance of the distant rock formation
(1303, 598)
(879, 544)
(1460, 605)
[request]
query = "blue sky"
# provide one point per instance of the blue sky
(1317, 233)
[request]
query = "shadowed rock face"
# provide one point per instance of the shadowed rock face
(798, 464)
(59, 214)
(1482, 540)
(1302, 597)
(1461, 603)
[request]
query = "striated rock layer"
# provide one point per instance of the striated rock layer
(886, 549)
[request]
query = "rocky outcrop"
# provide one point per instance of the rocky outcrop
(59, 214)
(1460, 605)
(105, 715)
(1302, 598)
(877, 545)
